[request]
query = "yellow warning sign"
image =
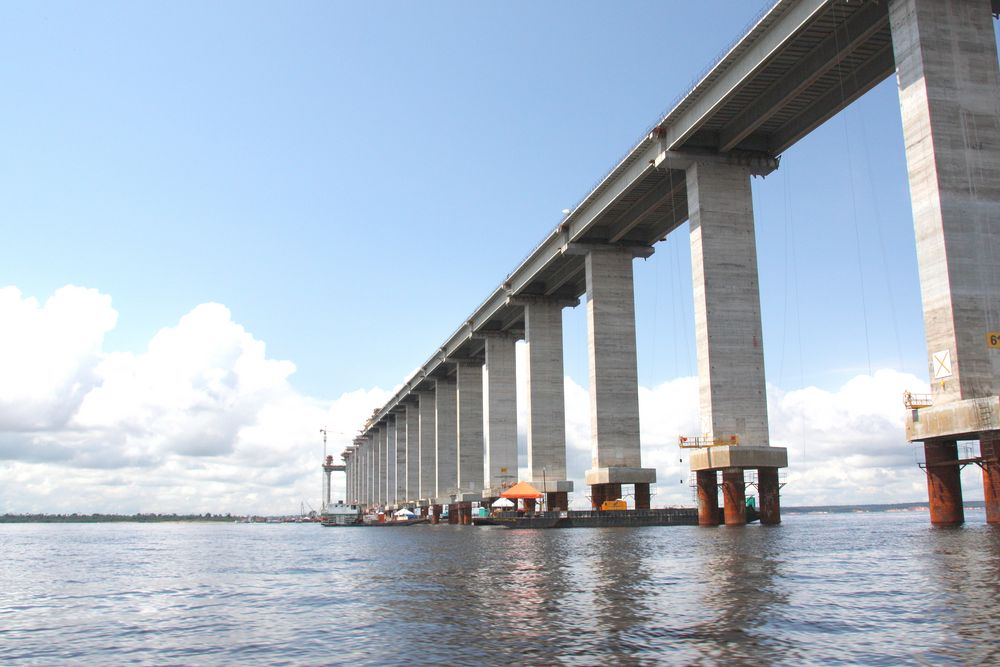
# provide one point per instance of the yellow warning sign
(993, 339)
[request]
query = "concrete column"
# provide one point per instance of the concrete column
(446, 436)
(767, 490)
(469, 388)
(383, 461)
(348, 470)
(412, 492)
(708, 497)
(614, 377)
(376, 492)
(949, 96)
(727, 304)
(546, 396)
(370, 465)
(500, 405)
(734, 497)
(390, 460)
(367, 494)
(944, 483)
(428, 446)
(400, 463)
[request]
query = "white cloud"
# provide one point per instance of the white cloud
(200, 421)
(47, 355)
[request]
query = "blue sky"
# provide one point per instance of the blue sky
(349, 181)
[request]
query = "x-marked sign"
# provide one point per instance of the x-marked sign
(941, 363)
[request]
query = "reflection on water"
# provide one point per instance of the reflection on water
(855, 589)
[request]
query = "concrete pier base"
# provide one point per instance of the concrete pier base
(642, 499)
(989, 449)
(767, 490)
(734, 497)
(435, 514)
(708, 497)
(944, 483)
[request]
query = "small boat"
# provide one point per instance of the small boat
(341, 514)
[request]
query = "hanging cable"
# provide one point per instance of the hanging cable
(854, 199)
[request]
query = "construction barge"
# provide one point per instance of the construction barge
(682, 516)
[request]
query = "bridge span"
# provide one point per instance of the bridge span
(449, 435)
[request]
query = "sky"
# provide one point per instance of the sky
(228, 225)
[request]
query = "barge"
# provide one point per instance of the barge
(682, 516)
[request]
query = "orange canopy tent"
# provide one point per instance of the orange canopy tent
(521, 491)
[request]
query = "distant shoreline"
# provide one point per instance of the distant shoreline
(882, 507)
(231, 518)
(119, 518)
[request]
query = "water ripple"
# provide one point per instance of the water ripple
(872, 589)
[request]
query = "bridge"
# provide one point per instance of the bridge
(449, 435)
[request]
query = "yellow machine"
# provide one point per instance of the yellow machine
(613, 505)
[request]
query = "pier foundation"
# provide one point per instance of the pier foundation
(708, 497)
(734, 497)
(944, 483)
(767, 490)
(989, 450)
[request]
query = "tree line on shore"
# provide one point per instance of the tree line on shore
(110, 518)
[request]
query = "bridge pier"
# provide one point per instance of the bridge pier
(376, 490)
(384, 460)
(427, 411)
(400, 458)
(446, 436)
(412, 482)
(500, 406)
(543, 333)
(732, 392)
(362, 475)
(614, 377)
(949, 97)
(469, 423)
(390, 461)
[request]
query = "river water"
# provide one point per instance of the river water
(865, 589)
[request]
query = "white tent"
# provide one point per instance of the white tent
(503, 502)
(404, 513)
